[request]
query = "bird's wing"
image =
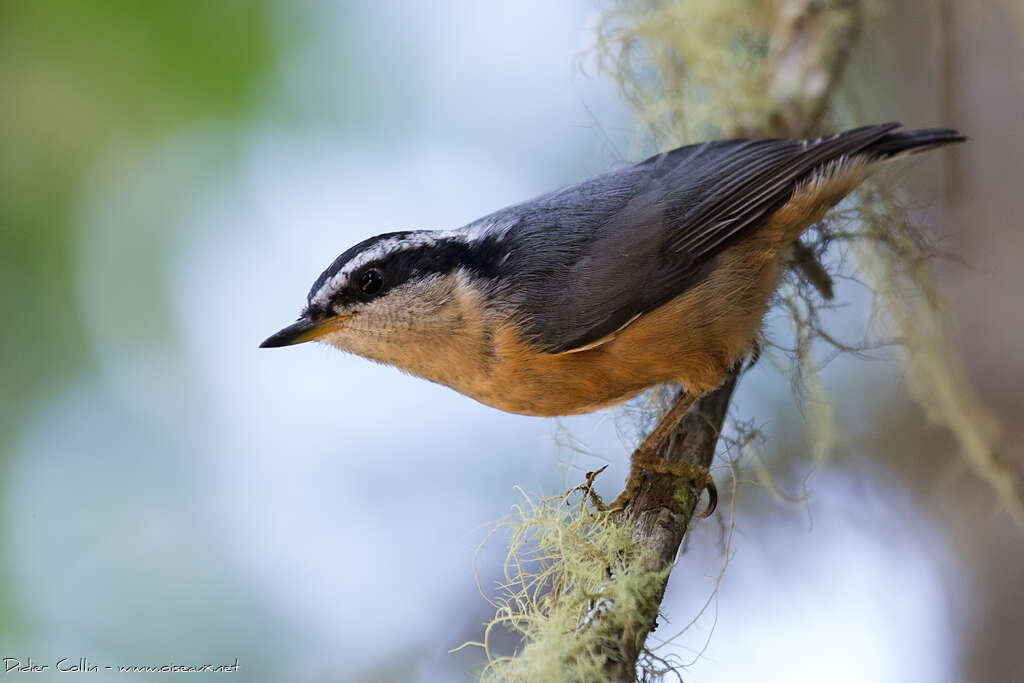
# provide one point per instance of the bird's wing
(589, 258)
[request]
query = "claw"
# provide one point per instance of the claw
(712, 499)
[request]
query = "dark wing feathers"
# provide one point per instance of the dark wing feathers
(590, 257)
(760, 187)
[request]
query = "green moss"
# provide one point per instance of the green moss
(574, 579)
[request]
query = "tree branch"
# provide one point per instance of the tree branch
(661, 511)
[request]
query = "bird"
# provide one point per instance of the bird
(584, 297)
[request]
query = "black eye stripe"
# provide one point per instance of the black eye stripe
(399, 265)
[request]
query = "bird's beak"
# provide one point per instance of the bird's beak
(304, 330)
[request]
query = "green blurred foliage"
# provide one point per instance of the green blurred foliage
(77, 77)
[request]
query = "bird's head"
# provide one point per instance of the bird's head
(394, 295)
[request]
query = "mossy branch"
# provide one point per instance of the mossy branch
(660, 515)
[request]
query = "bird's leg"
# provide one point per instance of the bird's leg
(645, 458)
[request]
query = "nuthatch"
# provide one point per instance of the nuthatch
(585, 297)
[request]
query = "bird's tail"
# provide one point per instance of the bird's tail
(905, 143)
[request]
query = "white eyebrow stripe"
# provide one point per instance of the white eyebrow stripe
(488, 227)
(373, 253)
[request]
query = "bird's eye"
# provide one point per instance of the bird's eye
(371, 281)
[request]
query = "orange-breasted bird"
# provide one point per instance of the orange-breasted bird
(586, 296)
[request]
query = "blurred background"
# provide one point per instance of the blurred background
(173, 176)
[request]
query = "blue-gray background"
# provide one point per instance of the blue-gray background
(174, 176)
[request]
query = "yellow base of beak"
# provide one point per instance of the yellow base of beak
(305, 330)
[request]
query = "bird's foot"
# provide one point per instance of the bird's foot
(645, 458)
(648, 462)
